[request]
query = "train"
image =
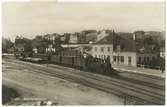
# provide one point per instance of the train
(70, 58)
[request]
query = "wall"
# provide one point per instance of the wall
(73, 38)
(146, 55)
(99, 53)
(125, 55)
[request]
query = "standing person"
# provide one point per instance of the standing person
(48, 58)
(162, 65)
(102, 66)
(108, 64)
(72, 61)
(105, 66)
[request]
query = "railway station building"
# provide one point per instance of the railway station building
(122, 51)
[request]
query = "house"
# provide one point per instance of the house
(162, 52)
(80, 47)
(126, 35)
(22, 44)
(50, 48)
(138, 35)
(121, 51)
(74, 38)
(35, 50)
(91, 37)
(103, 34)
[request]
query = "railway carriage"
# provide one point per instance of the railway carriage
(74, 59)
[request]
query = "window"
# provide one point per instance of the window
(144, 59)
(102, 49)
(129, 60)
(139, 60)
(153, 58)
(104, 57)
(108, 48)
(115, 58)
(148, 59)
(95, 49)
(122, 59)
(118, 59)
(118, 48)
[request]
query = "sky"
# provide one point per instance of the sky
(29, 19)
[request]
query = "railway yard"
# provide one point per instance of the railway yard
(68, 86)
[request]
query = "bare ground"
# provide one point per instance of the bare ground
(30, 84)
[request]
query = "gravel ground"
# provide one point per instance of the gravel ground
(34, 85)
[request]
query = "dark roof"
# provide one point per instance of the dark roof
(126, 44)
(145, 48)
(126, 35)
(106, 40)
(91, 37)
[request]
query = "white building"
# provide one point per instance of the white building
(121, 51)
(73, 38)
(50, 49)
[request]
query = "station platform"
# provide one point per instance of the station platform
(146, 71)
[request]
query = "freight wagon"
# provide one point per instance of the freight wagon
(74, 59)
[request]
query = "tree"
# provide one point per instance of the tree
(6, 45)
(21, 42)
(151, 44)
(41, 43)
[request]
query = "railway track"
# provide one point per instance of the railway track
(114, 78)
(112, 85)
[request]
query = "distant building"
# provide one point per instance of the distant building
(126, 35)
(103, 34)
(19, 47)
(10, 50)
(80, 47)
(22, 44)
(50, 48)
(139, 35)
(74, 38)
(91, 37)
(145, 34)
(65, 38)
(162, 52)
(35, 50)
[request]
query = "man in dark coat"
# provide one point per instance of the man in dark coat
(109, 66)
(49, 58)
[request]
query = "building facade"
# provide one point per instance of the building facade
(73, 38)
(122, 58)
(122, 52)
(119, 58)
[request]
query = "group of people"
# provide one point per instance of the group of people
(91, 64)
(98, 65)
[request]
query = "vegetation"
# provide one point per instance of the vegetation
(23, 43)
(7, 44)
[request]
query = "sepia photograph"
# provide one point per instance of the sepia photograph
(83, 53)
